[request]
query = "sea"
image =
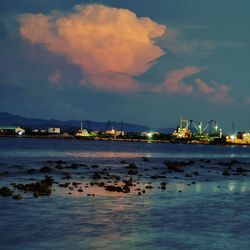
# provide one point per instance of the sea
(209, 211)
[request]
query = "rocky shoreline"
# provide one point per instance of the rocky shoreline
(125, 178)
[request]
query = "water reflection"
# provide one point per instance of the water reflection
(105, 154)
(231, 186)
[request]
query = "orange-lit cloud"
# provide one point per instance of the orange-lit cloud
(110, 45)
(203, 87)
(219, 93)
(174, 81)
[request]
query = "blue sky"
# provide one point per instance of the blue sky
(145, 63)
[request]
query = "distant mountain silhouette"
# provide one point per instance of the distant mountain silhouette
(16, 120)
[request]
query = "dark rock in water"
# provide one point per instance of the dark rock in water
(75, 184)
(225, 173)
(59, 166)
(66, 176)
(72, 166)
(163, 185)
(148, 187)
(175, 166)
(17, 197)
(123, 162)
(126, 189)
(47, 181)
(45, 169)
(60, 162)
(155, 177)
(196, 173)
(143, 191)
(64, 185)
(129, 182)
(5, 191)
(17, 166)
(96, 176)
(101, 184)
(35, 194)
(31, 171)
(83, 165)
(5, 173)
(145, 158)
(188, 175)
(241, 170)
(208, 161)
(139, 193)
(39, 188)
(80, 190)
(113, 176)
(234, 162)
(193, 182)
(131, 166)
(111, 188)
(95, 166)
(132, 172)
(225, 163)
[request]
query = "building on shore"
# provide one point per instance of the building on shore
(54, 130)
(241, 138)
(113, 132)
(183, 130)
(12, 130)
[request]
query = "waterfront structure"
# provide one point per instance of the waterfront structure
(12, 130)
(84, 134)
(197, 132)
(54, 130)
(241, 138)
(113, 132)
(183, 130)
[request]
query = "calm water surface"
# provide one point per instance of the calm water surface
(208, 215)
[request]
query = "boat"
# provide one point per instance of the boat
(84, 134)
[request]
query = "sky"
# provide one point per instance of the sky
(144, 62)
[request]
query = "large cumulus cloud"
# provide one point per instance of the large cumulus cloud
(111, 45)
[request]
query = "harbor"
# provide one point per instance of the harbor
(187, 132)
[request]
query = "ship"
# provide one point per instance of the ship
(84, 134)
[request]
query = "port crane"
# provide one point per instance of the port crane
(201, 130)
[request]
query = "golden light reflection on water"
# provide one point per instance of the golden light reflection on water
(106, 154)
(98, 191)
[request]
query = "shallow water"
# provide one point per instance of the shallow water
(210, 214)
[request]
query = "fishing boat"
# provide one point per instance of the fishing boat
(84, 134)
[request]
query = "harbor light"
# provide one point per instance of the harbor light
(150, 134)
(232, 137)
